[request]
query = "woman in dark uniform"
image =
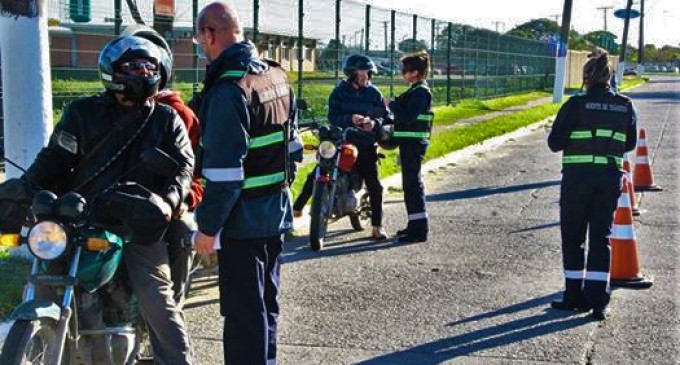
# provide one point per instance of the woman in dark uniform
(593, 130)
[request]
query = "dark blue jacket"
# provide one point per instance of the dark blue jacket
(346, 100)
(225, 123)
(419, 101)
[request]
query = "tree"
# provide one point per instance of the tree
(538, 29)
(328, 55)
(412, 45)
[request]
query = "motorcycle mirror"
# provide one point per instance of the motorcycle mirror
(3, 158)
(159, 162)
(301, 104)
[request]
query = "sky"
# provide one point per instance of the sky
(662, 19)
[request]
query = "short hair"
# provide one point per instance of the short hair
(416, 61)
(598, 69)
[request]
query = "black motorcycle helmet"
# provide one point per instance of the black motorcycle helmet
(359, 62)
(127, 48)
(151, 34)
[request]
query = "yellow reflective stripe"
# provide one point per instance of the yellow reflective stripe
(233, 73)
(580, 135)
(425, 117)
(411, 134)
(619, 160)
(600, 160)
(619, 137)
(257, 142)
(603, 133)
(258, 181)
(577, 159)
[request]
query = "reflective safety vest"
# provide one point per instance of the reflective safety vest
(600, 134)
(268, 98)
(422, 127)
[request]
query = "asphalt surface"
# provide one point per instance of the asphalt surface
(478, 291)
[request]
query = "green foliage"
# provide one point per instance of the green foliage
(412, 45)
(14, 273)
(538, 29)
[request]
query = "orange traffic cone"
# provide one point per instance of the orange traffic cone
(625, 259)
(644, 180)
(631, 188)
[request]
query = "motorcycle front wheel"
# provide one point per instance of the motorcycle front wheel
(30, 342)
(362, 217)
(320, 211)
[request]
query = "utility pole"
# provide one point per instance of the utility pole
(26, 81)
(562, 49)
(497, 23)
(556, 17)
(624, 45)
(641, 40)
(604, 11)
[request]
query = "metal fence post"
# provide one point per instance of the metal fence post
(194, 61)
(464, 64)
(432, 48)
(367, 37)
(301, 15)
(448, 64)
(393, 17)
(256, 21)
(117, 19)
(415, 33)
(338, 60)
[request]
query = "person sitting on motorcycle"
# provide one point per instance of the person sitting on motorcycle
(98, 142)
(349, 106)
(180, 253)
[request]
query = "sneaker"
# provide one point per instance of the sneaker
(378, 233)
(600, 314)
(569, 306)
(297, 213)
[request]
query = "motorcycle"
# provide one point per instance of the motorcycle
(73, 255)
(337, 190)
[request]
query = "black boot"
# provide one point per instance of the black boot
(564, 305)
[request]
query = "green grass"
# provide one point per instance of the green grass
(14, 273)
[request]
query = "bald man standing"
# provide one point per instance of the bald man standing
(247, 117)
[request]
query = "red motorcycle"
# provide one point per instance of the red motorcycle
(337, 190)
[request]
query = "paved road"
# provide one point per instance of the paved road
(478, 291)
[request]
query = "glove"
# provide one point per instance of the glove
(15, 202)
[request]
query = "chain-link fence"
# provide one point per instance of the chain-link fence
(310, 39)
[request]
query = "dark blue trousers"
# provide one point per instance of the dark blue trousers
(412, 153)
(249, 288)
(588, 199)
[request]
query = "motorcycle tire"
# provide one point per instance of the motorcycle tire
(362, 218)
(30, 342)
(320, 211)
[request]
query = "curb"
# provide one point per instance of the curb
(394, 181)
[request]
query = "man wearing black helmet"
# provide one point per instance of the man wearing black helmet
(349, 105)
(179, 248)
(98, 142)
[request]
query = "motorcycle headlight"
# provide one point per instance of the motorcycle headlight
(47, 240)
(327, 149)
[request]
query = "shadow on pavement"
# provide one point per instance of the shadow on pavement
(486, 191)
(534, 228)
(514, 331)
(298, 249)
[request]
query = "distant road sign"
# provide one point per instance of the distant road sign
(621, 13)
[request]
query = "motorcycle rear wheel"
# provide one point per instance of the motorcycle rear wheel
(320, 211)
(30, 342)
